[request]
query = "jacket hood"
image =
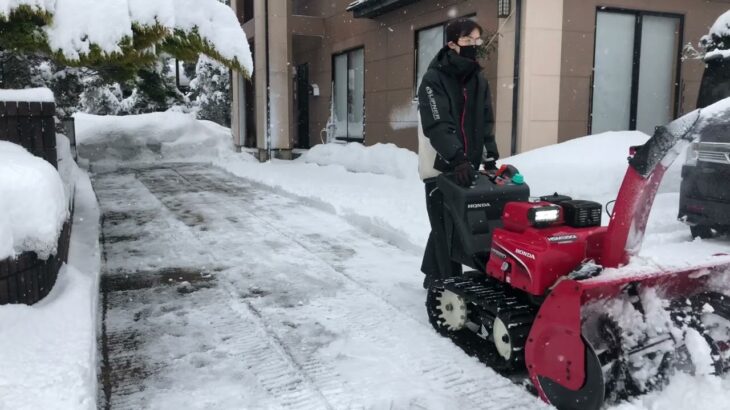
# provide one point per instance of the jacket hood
(450, 62)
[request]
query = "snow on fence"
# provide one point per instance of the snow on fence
(27, 278)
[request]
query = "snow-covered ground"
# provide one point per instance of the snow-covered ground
(315, 262)
(49, 349)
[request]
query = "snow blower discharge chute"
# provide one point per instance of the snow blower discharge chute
(553, 293)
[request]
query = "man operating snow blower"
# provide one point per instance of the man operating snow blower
(455, 132)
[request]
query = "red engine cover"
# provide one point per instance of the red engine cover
(532, 259)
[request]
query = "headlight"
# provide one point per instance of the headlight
(544, 215)
(692, 154)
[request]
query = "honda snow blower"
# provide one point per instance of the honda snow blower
(553, 291)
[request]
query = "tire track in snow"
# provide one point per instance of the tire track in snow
(327, 379)
(132, 331)
(439, 368)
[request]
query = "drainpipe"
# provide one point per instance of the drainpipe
(516, 77)
(268, 82)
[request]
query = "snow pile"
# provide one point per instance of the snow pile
(385, 159)
(589, 168)
(66, 166)
(49, 359)
(146, 137)
(714, 39)
(29, 95)
(585, 168)
(33, 204)
(78, 25)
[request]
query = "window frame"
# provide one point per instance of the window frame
(347, 52)
(416, 47)
(636, 62)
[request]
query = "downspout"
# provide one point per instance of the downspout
(516, 76)
(268, 81)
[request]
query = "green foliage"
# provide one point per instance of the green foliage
(22, 31)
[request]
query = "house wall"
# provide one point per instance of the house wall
(389, 48)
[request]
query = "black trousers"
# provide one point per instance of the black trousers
(436, 259)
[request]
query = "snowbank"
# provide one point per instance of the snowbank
(77, 25)
(49, 349)
(145, 137)
(33, 204)
(385, 159)
(28, 94)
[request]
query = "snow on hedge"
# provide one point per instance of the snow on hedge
(28, 95)
(33, 205)
(77, 25)
(720, 29)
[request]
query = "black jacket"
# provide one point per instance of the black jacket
(455, 106)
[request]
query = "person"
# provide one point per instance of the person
(455, 132)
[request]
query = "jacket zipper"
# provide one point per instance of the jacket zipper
(463, 116)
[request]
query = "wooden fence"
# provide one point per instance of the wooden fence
(31, 125)
(26, 278)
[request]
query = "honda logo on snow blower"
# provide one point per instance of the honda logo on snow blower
(479, 206)
(434, 106)
(524, 253)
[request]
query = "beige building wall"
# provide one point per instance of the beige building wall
(540, 71)
(578, 50)
(503, 90)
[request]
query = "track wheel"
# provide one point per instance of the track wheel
(589, 397)
(502, 339)
(447, 311)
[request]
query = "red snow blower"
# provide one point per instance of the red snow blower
(553, 292)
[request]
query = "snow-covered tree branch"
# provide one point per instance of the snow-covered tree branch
(121, 36)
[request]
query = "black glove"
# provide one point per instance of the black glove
(489, 161)
(490, 165)
(464, 172)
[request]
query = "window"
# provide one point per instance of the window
(349, 97)
(635, 87)
(428, 43)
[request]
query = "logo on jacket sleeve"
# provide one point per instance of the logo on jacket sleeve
(432, 102)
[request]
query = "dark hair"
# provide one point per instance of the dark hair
(461, 27)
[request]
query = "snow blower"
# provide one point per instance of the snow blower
(562, 297)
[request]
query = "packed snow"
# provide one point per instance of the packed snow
(27, 95)
(49, 359)
(78, 25)
(33, 204)
(378, 191)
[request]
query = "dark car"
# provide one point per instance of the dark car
(704, 201)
